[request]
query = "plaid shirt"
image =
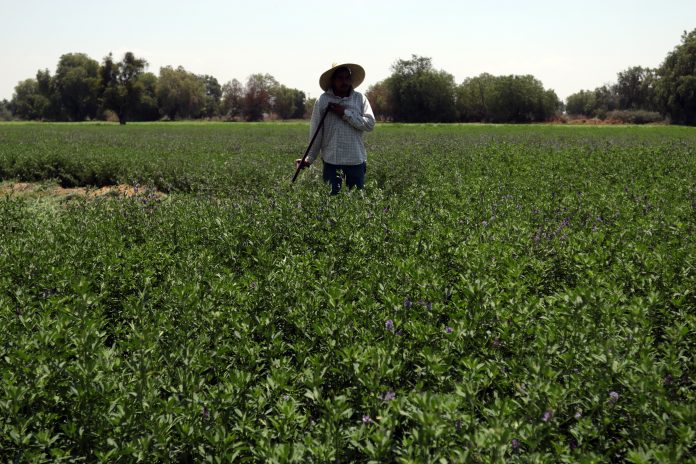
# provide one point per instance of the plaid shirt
(340, 141)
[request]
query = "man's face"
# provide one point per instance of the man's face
(342, 82)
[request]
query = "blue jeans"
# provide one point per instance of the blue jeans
(355, 176)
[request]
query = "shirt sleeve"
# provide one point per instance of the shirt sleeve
(363, 122)
(313, 124)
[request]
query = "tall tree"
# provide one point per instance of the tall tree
(49, 90)
(258, 96)
(420, 93)
(474, 97)
(180, 93)
(232, 103)
(522, 99)
(288, 103)
(510, 98)
(300, 99)
(380, 99)
(213, 94)
(27, 101)
(5, 110)
(635, 88)
(593, 103)
(147, 108)
(77, 84)
(121, 88)
(283, 102)
(606, 100)
(676, 89)
(582, 103)
(309, 107)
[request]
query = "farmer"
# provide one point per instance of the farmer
(340, 139)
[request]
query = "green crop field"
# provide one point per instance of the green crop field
(495, 294)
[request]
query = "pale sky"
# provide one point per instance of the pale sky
(567, 45)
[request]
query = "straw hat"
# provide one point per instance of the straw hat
(356, 71)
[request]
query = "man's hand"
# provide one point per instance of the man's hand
(337, 109)
(305, 164)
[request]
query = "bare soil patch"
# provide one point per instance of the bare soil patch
(595, 122)
(41, 189)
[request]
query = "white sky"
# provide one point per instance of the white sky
(567, 45)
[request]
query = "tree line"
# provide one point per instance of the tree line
(644, 94)
(416, 92)
(83, 88)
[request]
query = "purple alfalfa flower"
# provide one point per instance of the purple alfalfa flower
(548, 415)
(398, 333)
(449, 330)
(578, 415)
(389, 396)
(496, 343)
(366, 419)
(613, 397)
(515, 443)
(205, 414)
(408, 303)
(389, 325)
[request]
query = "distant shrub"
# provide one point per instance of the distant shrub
(109, 116)
(635, 116)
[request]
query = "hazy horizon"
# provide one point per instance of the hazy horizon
(567, 47)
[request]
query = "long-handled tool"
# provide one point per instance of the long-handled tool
(316, 132)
